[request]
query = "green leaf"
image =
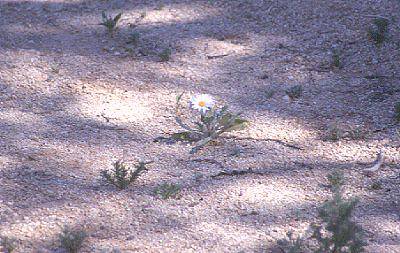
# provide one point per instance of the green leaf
(224, 120)
(201, 143)
(182, 136)
(179, 97)
(200, 126)
(223, 110)
(238, 124)
(116, 19)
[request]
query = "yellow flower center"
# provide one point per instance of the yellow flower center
(202, 103)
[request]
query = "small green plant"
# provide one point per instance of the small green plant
(122, 175)
(165, 55)
(357, 133)
(134, 39)
(159, 6)
(211, 124)
(378, 31)
(333, 133)
(7, 244)
(397, 111)
(336, 232)
(376, 186)
(336, 59)
(336, 133)
(336, 180)
(110, 23)
(168, 190)
(294, 92)
(291, 244)
(72, 239)
(269, 93)
(55, 69)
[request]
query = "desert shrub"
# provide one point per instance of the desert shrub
(122, 175)
(72, 239)
(110, 23)
(335, 232)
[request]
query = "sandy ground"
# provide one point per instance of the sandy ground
(74, 100)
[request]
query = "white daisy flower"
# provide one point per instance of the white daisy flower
(202, 102)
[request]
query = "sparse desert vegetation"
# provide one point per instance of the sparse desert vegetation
(271, 126)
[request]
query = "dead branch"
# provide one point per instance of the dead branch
(208, 160)
(266, 139)
(216, 56)
(238, 173)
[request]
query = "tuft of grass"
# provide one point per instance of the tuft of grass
(7, 244)
(110, 23)
(397, 111)
(294, 92)
(122, 175)
(378, 32)
(72, 239)
(165, 55)
(168, 190)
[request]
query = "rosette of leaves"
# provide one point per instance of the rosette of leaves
(208, 127)
(122, 175)
(110, 23)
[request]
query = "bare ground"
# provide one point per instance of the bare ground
(74, 100)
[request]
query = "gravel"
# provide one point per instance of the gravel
(74, 100)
